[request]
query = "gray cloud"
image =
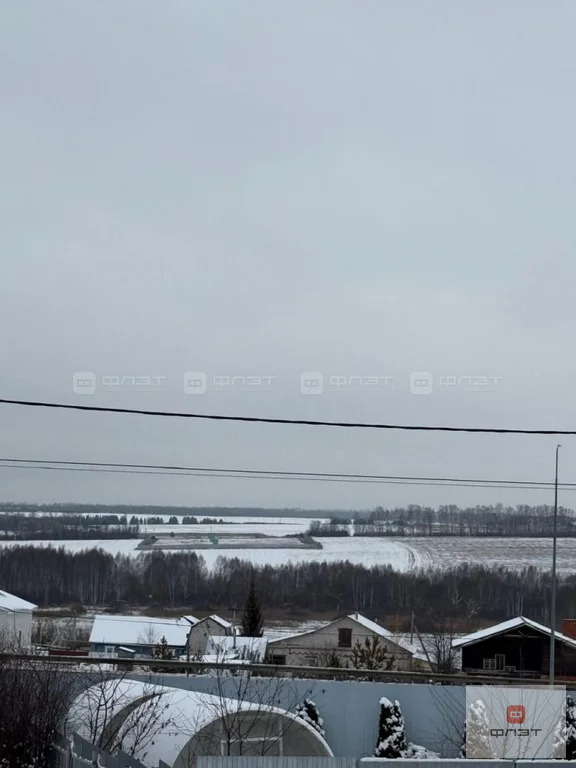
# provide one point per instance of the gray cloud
(262, 190)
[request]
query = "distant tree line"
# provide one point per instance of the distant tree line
(70, 526)
(145, 510)
(451, 520)
(93, 577)
(334, 527)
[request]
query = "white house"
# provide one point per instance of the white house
(209, 626)
(15, 621)
(333, 644)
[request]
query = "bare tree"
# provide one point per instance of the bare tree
(148, 636)
(451, 717)
(35, 698)
(246, 708)
(115, 713)
(443, 654)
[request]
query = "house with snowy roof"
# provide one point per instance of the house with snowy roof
(335, 642)
(137, 636)
(15, 622)
(203, 630)
(519, 647)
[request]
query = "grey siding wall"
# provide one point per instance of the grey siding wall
(350, 709)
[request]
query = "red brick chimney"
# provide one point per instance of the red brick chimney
(569, 628)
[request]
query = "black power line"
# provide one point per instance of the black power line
(301, 422)
(184, 468)
(263, 474)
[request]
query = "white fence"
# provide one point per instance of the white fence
(76, 752)
(277, 762)
(367, 762)
(79, 753)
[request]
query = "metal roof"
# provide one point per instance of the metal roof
(12, 603)
(506, 626)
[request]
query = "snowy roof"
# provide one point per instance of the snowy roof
(218, 620)
(357, 617)
(11, 603)
(505, 626)
(250, 648)
(139, 630)
(370, 625)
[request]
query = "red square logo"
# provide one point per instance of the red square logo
(515, 713)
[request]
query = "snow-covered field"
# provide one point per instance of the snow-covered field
(357, 550)
(403, 554)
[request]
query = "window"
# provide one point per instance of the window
(278, 660)
(497, 663)
(344, 638)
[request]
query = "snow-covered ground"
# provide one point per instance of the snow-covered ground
(403, 554)
(356, 550)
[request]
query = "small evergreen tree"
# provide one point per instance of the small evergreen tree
(308, 711)
(463, 747)
(565, 733)
(570, 728)
(478, 742)
(161, 651)
(252, 620)
(391, 735)
(371, 655)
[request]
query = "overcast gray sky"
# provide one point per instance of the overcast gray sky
(258, 190)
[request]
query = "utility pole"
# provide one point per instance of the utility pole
(188, 645)
(553, 587)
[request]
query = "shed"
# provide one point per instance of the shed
(517, 647)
